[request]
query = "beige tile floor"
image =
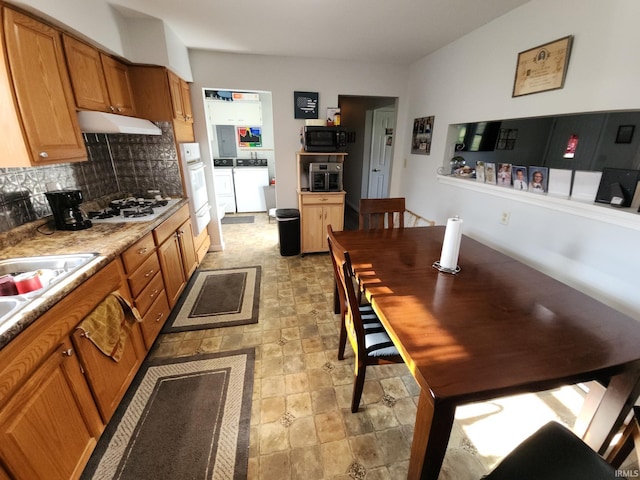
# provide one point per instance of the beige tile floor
(301, 425)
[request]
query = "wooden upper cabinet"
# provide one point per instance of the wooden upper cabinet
(38, 118)
(119, 86)
(162, 96)
(99, 82)
(180, 98)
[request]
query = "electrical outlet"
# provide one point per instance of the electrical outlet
(504, 219)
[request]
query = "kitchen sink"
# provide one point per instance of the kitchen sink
(54, 271)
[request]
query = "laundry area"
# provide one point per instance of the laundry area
(240, 131)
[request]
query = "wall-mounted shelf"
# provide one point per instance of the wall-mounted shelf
(623, 217)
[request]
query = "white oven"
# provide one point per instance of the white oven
(194, 171)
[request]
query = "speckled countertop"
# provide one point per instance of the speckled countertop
(107, 239)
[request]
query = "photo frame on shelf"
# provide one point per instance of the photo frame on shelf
(538, 179)
(542, 68)
(490, 173)
(520, 178)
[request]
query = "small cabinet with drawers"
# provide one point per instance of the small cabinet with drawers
(146, 284)
(318, 209)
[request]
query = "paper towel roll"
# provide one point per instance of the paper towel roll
(451, 244)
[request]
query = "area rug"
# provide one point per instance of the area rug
(217, 298)
(232, 220)
(185, 417)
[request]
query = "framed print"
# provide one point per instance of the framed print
(480, 172)
(250, 137)
(305, 104)
(542, 68)
(538, 179)
(421, 136)
(625, 133)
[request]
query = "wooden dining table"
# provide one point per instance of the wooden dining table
(496, 328)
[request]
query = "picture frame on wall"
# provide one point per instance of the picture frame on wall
(625, 133)
(421, 135)
(542, 68)
(305, 105)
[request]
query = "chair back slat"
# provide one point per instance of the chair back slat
(379, 213)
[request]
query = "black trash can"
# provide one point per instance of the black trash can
(289, 231)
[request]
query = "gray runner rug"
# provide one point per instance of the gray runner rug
(217, 298)
(226, 220)
(185, 417)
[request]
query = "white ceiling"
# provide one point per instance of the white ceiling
(387, 31)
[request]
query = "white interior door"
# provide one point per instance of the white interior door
(381, 152)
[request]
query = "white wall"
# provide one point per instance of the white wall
(136, 37)
(472, 80)
(282, 76)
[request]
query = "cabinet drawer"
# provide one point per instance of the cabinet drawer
(149, 294)
(154, 319)
(169, 226)
(322, 199)
(143, 275)
(137, 253)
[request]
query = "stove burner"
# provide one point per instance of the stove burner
(106, 213)
(137, 212)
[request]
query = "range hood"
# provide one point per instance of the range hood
(101, 122)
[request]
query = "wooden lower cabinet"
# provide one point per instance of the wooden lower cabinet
(317, 210)
(107, 378)
(154, 319)
(50, 427)
(171, 263)
(176, 252)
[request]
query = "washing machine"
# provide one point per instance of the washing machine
(223, 183)
(250, 175)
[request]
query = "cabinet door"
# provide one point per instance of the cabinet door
(188, 249)
(332, 215)
(172, 270)
(312, 224)
(43, 90)
(176, 96)
(107, 379)
(50, 426)
(186, 101)
(119, 86)
(87, 75)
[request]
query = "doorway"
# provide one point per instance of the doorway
(371, 121)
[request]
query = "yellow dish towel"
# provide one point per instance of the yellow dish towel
(108, 325)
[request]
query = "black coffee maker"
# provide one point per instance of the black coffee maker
(65, 205)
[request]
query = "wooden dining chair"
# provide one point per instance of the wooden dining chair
(555, 453)
(368, 338)
(379, 213)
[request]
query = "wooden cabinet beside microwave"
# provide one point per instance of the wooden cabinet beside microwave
(39, 121)
(317, 209)
(100, 82)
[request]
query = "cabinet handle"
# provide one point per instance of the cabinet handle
(160, 315)
(68, 352)
(149, 273)
(142, 251)
(119, 109)
(324, 199)
(112, 108)
(43, 155)
(154, 293)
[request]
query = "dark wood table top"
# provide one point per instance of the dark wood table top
(498, 327)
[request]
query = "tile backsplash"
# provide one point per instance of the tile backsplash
(117, 163)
